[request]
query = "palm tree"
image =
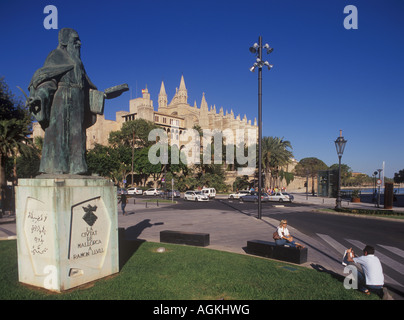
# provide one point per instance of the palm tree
(276, 153)
(15, 125)
(13, 141)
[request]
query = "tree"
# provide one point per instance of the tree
(10, 106)
(143, 166)
(15, 127)
(310, 167)
(399, 176)
(13, 141)
(276, 153)
(104, 160)
(28, 165)
(346, 172)
(241, 183)
(136, 131)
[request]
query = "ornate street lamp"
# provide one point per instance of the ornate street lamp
(257, 50)
(340, 146)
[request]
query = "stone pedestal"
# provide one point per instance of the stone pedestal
(67, 231)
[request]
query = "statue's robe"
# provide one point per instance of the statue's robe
(62, 86)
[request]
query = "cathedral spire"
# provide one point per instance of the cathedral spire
(182, 92)
(204, 104)
(203, 114)
(182, 83)
(162, 89)
(162, 98)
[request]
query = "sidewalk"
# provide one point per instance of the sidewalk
(7, 227)
(331, 202)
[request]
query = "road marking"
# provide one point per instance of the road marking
(383, 258)
(395, 250)
(333, 243)
(7, 232)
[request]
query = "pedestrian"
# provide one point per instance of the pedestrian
(284, 237)
(372, 278)
(123, 200)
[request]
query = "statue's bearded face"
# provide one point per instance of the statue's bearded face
(73, 46)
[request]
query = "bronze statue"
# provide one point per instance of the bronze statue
(65, 102)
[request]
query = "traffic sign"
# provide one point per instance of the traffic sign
(379, 182)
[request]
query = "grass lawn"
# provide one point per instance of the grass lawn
(188, 273)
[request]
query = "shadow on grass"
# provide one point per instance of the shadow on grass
(333, 274)
(126, 247)
(129, 241)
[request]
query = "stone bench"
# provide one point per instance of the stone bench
(189, 238)
(271, 250)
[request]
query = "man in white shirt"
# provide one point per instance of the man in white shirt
(373, 279)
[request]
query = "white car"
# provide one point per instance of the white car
(281, 197)
(153, 192)
(135, 191)
(195, 196)
(210, 192)
(238, 194)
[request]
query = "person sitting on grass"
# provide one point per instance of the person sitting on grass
(285, 237)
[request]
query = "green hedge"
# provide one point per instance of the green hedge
(382, 212)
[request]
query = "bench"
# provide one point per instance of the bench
(271, 250)
(189, 238)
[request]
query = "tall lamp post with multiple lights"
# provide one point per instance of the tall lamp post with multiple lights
(340, 146)
(257, 50)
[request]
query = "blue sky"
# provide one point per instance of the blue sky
(325, 77)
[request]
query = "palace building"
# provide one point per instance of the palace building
(174, 117)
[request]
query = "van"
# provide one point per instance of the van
(210, 192)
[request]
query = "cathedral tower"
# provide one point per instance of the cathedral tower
(182, 92)
(162, 98)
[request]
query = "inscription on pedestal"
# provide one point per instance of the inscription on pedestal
(38, 232)
(89, 233)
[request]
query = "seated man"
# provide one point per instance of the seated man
(373, 279)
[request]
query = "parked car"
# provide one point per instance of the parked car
(238, 194)
(291, 197)
(281, 197)
(122, 191)
(135, 191)
(210, 192)
(173, 193)
(253, 197)
(153, 192)
(195, 196)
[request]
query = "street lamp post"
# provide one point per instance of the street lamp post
(374, 191)
(378, 189)
(257, 49)
(340, 146)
